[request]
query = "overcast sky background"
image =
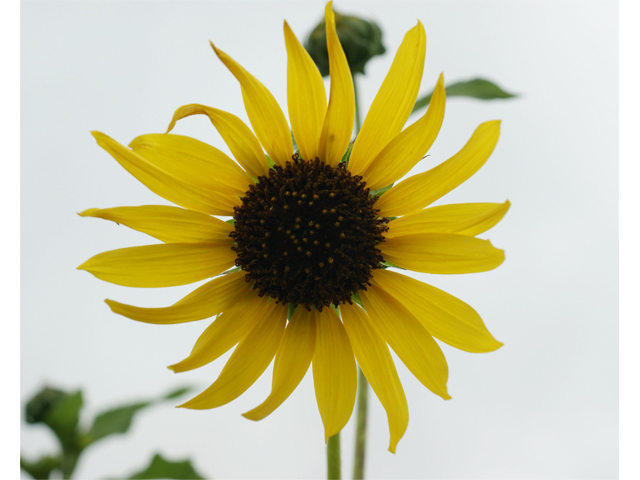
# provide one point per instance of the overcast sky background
(543, 406)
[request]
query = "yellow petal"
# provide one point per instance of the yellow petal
(442, 253)
(447, 318)
(169, 224)
(306, 96)
(338, 122)
(464, 219)
(393, 104)
(408, 338)
(194, 162)
(265, 115)
(377, 365)
(415, 193)
(334, 373)
(164, 265)
(408, 147)
(168, 186)
(206, 301)
(239, 138)
(224, 332)
(292, 362)
(248, 361)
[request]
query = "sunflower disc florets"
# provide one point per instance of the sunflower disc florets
(306, 234)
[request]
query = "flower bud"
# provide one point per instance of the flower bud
(360, 39)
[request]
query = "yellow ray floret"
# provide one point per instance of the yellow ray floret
(292, 362)
(334, 373)
(394, 101)
(403, 152)
(464, 219)
(415, 193)
(232, 326)
(338, 122)
(264, 113)
(194, 161)
(164, 265)
(172, 187)
(248, 361)
(377, 365)
(169, 224)
(444, 316)
(206, 301)
(442, 253)
(306, 96)
(408, 338)
(239, 138)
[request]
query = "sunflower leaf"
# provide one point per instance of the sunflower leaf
(476, 88)
(163, 468)
(58, 410)
(118, 420)
(42, 467)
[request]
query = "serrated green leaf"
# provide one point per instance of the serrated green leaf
(177, 393)
(162, 468)
(42, 467)
(63, 418)
(117, 420)
(476, 88)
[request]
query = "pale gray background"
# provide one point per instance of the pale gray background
(544, 406)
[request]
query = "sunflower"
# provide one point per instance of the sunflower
(301, 273)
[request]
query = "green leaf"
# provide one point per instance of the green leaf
(118, 420)
(476, 88)
(60, 411)
(41, 468)
(232, 221)
(162, 468)
(176, 393)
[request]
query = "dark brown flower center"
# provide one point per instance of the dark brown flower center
(306, 234)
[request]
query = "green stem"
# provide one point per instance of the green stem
(363, 385)
(333, 457)
(355, 94)
(361, 426)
